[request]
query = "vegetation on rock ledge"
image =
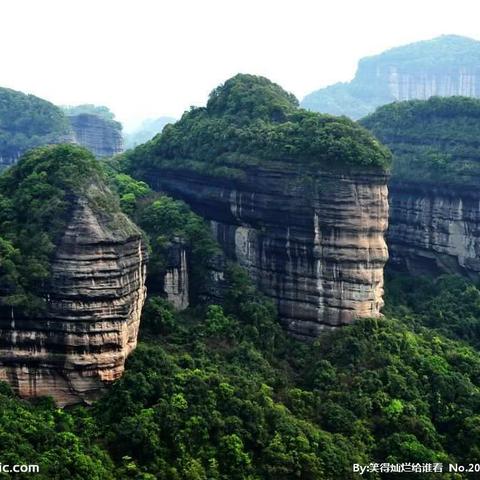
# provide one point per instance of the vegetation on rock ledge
(250, 120)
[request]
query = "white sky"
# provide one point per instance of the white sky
(149, 58)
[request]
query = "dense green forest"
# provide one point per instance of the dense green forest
(221, 392)
(27, 121)
(249, 120)
(436, 140)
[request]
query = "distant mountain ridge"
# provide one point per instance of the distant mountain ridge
(448, 65)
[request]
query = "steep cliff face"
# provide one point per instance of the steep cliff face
(298, 199)
(102, 137)
(445, 66)
(435, 229)
(77, 339)
(434, 198)
(317, 250)
(92, 318)
(175, 279)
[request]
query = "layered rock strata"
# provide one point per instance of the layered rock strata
(93, 312)
(314, 245)
(102, 137)
(434, 197)
(434, 229)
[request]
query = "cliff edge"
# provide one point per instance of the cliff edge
(298, 199)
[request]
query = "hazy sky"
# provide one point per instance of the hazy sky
(146, 58)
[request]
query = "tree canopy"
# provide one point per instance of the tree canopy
(431, 140)
(27, 121)
(250, 120)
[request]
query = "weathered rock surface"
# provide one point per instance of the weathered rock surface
(102, 137)
(434, 198)
(445, 66)
(175, 280)
(93, 312)
(435, 229)
(316, 248)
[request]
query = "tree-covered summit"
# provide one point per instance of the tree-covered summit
(245, 97)
(37, 196)
(90, 109)
(249, 121)
(432, 140)
(27, 121)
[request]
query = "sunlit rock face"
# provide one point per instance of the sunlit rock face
(444, 66)
(102, 137)
(93, 312)
(316, 247)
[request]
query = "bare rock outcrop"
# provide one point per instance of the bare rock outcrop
(317, 249)
(435, 229)
(176, 279)
(102, 137)
(93, 312)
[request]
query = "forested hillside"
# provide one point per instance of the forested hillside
(27, 121)
(432, 141)
(223, 393)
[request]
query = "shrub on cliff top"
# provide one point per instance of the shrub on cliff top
(249, 120)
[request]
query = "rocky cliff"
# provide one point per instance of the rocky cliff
(445, 66)
(434, 198)
(101, 136)
(305, 216)
(434, 229)
(175, 279)
(317, 251)
(72, 335)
